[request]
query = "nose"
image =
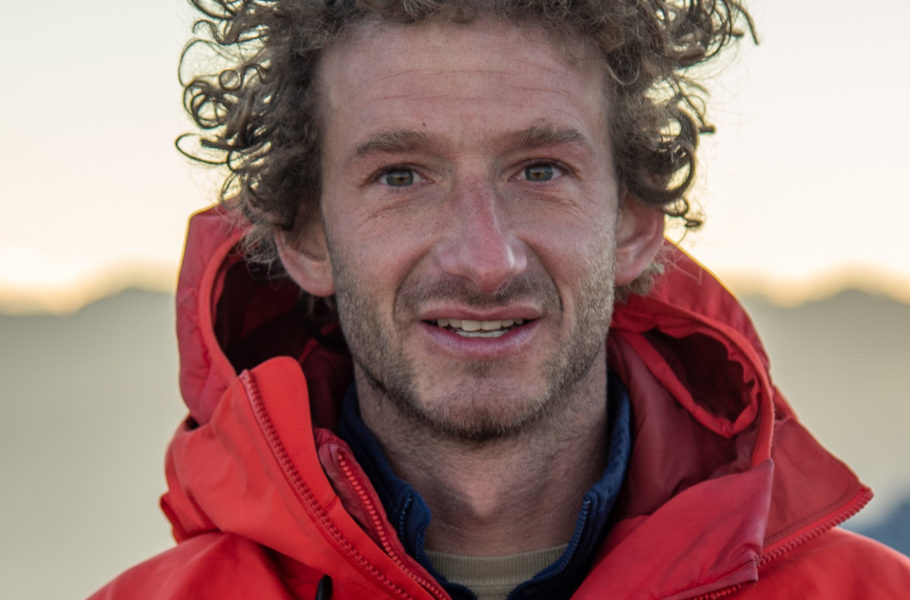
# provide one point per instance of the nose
(480, 246)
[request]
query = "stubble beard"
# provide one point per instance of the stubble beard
(474, 412)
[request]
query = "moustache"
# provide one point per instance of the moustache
(527, 289)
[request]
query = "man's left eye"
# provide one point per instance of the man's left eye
(541, 172)
(400, 177)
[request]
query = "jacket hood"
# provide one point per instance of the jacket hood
(711, 432)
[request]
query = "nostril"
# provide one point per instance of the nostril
(324, 589)
(488, 261)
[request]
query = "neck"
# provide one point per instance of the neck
(501, 496)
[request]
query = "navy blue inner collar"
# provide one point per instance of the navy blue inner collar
(410, 515)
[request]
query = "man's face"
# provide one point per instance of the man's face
(469, 206)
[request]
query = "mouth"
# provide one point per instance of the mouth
(478, 329)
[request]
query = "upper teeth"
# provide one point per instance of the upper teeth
(469, 325)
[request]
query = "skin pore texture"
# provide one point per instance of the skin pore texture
(472, 236)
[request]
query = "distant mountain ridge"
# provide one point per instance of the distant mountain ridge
(842, 362)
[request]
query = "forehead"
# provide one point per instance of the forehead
(437, 32)
(414, 73)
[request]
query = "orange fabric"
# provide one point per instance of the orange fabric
(726, 492)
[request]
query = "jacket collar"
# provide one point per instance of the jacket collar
(410, 516)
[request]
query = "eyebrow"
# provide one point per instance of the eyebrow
(392, 142)
(536, 136)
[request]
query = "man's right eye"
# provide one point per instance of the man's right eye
(399, 177)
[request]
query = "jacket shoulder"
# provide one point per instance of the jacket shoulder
(212, 565)
(837, 564)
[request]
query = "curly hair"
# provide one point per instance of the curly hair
(258, 111)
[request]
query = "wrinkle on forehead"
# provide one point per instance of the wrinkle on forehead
(574, 45)
(576, 53)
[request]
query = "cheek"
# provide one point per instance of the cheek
(376, 255)
(572, 245)
(581, 267)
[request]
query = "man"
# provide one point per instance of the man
(531, 394)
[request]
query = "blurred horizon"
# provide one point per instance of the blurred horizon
(62, 298)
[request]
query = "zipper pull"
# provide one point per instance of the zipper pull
(324, 589)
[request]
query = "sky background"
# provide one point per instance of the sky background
(804, 185)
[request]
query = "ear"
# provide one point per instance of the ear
(639, 236)
(305, 256)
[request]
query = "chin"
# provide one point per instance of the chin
(489, 413)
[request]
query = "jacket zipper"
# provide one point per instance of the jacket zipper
(306, 497)
(855, 505)
(378, 526)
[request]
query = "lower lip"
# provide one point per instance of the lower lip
(480, 348)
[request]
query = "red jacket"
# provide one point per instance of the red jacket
(726, 492)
